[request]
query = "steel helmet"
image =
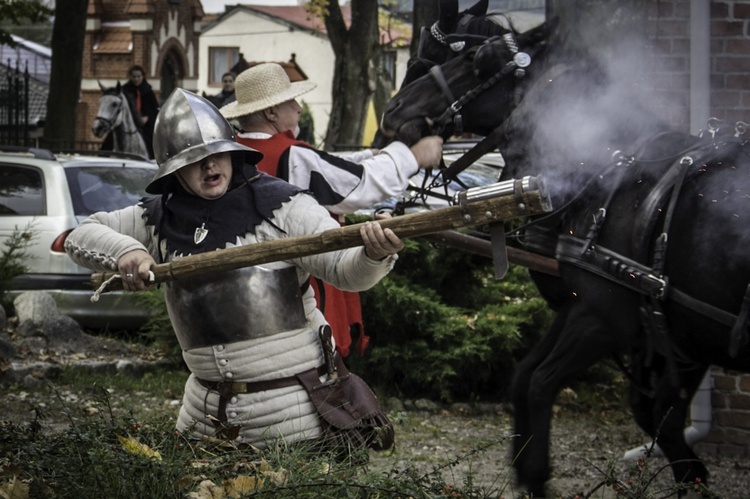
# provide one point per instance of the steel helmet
(188, 129)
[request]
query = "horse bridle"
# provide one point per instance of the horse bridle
(110, 123)
(452, 114)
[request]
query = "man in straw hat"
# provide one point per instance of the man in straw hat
(251, 337)
(268, 115)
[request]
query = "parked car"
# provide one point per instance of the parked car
(49, 195)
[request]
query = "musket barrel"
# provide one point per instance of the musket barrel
(516, 198)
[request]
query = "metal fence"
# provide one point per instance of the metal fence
(14, 107)
(15, 129)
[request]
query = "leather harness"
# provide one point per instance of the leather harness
(650, 280)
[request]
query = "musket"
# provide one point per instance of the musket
(491, 204)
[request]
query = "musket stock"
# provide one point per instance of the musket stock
(477, 206)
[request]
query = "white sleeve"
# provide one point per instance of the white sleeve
(355, 156)
(100, 240)
(343, 186)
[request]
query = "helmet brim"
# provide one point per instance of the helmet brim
(197, 153)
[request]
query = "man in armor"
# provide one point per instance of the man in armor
(244, 333)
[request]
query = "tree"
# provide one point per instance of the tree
(16, 14)
(65, 77)
(354, 49)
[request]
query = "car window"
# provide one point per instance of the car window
(96, 189)
(21, 191)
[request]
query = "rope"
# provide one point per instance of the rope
(101, 289)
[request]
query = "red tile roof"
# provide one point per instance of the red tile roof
(139, 7)
(113, 40)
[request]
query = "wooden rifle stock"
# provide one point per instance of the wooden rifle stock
(477, 206)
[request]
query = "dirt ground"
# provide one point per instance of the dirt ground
(584, 445)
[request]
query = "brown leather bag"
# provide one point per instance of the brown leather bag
(351, 413)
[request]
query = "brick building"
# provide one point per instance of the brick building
(160, 36)
(703, 61)
(702, 70)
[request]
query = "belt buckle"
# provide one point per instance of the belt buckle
(239, 387)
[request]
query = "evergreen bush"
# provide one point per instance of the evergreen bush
(442, 327)
(12, 258)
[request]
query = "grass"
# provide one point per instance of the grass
(108, 452)
(97, 435)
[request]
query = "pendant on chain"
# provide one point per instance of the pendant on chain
(200, 234)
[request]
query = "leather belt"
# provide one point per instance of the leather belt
(228, 389)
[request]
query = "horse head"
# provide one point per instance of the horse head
(452, 34)
(455, 94)
(109, 115)
(116, 116)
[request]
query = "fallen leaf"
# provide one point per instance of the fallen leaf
(207, 490)
(14, 489)
(242, 485)
(135, 447)
(278, 478)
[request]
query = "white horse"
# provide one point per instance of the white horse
(115, 116)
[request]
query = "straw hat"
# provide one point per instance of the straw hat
(261, 87)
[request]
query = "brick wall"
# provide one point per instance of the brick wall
(730, 60)
(730, 431)
(669, 27)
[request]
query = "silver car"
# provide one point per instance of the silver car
(48, 195)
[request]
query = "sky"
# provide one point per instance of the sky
(217, 6)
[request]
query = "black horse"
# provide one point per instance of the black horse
(649, 235)
(452, 34)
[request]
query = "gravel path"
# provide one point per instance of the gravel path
(584, 445)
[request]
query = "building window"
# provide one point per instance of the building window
(221, 60)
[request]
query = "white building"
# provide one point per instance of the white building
(264, 33)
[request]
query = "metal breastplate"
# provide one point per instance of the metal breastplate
(235, 305)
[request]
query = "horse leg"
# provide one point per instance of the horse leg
(642, 391)
(582, 340)
(521, 382)
(671, 408)
(557, 297)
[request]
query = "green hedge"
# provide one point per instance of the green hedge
(442, 327)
